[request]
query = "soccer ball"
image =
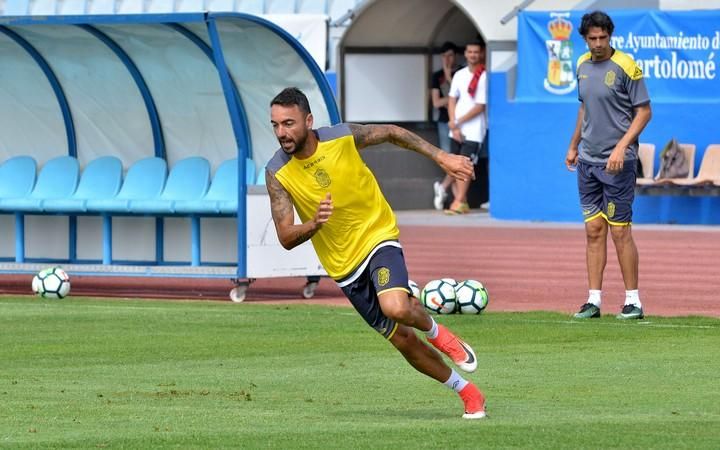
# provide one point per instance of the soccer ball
(472, 297)
(438, 296)
(414, 289)
(52, 282)
(450, 281)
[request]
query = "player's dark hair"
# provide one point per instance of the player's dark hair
(596, 19)
(447, 45)
(292, 96)
(479, 41)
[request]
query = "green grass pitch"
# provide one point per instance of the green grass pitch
(91, 373)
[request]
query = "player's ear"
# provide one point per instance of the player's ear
(309, 120)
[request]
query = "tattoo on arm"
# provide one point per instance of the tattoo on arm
(300, 236)
(283, 214)
(366, 135)
(280, 202)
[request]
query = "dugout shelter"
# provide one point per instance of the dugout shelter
(131, 144)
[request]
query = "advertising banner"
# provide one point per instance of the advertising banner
(677, 51)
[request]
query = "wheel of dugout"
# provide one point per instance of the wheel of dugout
(238, 293)
(309, 289)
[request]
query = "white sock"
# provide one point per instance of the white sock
(595, 297)
(455, 382)
(432, 333)
(633, 298)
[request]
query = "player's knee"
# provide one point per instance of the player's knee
(621, 233)
(399, 310)
(595, 229)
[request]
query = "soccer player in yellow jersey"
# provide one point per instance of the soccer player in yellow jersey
(319, 173)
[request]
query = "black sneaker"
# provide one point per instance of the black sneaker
(588, 311)
(631, 312)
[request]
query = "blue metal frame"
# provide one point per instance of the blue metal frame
(120, 19)
(196, 245)
(54, 83)
(242, 138)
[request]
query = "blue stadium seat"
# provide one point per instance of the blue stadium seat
(101, 179)
(145, 179)
(221, 198)
(188, 180)
(17, 177)
(57, 179)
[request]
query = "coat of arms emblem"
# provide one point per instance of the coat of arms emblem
(322, 178)
(560, 75)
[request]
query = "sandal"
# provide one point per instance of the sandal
(462, 208)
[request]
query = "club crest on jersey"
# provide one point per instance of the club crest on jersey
(610, 78)
(322, 178)
(383, 276)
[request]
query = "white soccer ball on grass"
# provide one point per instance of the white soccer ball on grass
(438, 296)
(52, 282)
(471, 297)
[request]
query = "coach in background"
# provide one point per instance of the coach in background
(614, 109)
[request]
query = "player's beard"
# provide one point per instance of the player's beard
(600, 53)
(299, 144)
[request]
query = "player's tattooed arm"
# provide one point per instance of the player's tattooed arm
(289, 234)
(367, 135)
(456, 166)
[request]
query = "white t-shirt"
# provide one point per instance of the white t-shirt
(474, 129)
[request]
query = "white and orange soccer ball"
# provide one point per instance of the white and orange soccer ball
(52, 282)
(438, 296)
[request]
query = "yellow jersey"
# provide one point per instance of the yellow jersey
(361, 217)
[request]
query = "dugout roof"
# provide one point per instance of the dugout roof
(170, 85)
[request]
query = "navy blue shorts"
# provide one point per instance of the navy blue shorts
(607, 195)
(382, 271)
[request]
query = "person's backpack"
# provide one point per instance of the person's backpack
(673, 162)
